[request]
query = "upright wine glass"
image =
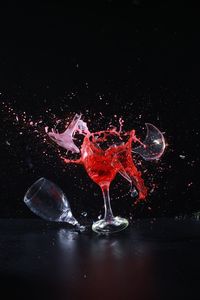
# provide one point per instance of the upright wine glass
(99, 161)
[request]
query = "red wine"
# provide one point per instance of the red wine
(102, 165)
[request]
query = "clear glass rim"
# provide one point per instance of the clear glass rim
(36, 187)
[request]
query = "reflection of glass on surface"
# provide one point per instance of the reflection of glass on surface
(47, 200)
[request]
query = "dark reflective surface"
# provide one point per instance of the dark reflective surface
(152, 259)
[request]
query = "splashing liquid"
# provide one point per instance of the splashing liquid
(103, 158)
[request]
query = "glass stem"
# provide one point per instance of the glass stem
(108, 216)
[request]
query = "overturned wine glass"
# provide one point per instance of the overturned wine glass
(47, 200)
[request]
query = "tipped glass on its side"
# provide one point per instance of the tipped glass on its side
(45, 199)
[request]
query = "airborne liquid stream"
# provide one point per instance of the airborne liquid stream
(101, 164)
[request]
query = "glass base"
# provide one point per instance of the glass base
(107, 227)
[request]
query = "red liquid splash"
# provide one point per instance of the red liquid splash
(103, 165)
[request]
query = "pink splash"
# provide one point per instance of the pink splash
(66, 139)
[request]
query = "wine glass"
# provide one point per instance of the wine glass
(47, 200)
(99, 153)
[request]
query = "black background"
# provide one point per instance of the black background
(128, 58)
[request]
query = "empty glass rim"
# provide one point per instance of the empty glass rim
(30, 194)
